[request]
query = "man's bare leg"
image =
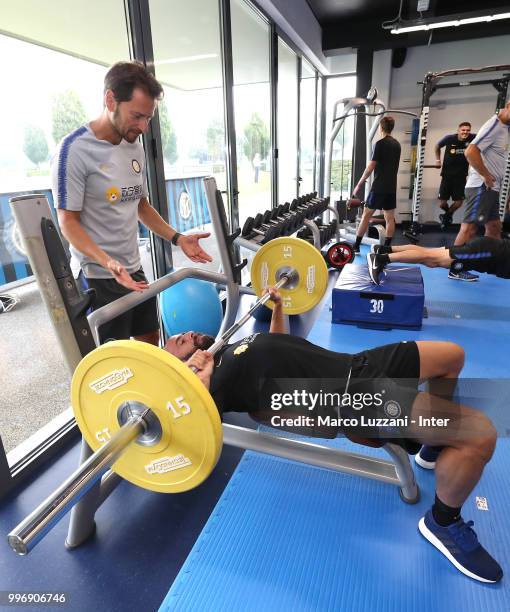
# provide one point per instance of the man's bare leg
(432, 258)
(467, 232)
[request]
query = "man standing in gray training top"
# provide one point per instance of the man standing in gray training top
(100, 189)
(487, 157)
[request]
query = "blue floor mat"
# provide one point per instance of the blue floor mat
(286, 536)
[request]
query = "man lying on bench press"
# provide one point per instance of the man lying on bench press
(242, 375)
(483, 254)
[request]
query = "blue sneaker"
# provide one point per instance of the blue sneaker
(463, 276)
(427, 456)
(459, 544)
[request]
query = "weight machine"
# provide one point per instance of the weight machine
(86, 489)
(431, 84)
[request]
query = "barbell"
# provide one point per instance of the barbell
(147, 415)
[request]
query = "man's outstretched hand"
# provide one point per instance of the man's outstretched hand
(122, 276)
(191, 247)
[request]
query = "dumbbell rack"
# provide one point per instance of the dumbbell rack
(301, 216)
(67, 307)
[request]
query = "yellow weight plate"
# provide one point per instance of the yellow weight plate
(285, 253)
(192, 436)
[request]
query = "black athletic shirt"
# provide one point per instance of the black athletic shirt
(242, 368)
(454, 161)
(387, 155)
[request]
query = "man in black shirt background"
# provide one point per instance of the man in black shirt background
(383, 194)
(242, 377)
(454, 170)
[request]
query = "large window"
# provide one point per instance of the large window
(339, 88)
(187, 59)
(252, 108)
(50, 86)
(307, 127)
(287, 122)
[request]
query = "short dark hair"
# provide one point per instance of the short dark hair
(387, 124)
(123, 77)
(465, 123)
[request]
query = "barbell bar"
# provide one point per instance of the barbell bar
(147, 415)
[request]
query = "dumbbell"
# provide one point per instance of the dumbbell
(305, 234)
(270, 218)
(320, 205)
(329, 230)
(294, 218)
(323, 230)
(308, 208)
(255, 226)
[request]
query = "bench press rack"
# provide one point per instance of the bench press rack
(78, 335)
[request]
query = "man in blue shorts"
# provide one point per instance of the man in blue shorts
(487, 157)
(383, 194)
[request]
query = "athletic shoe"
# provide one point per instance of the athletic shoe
(355, 249)
(380, 249)
(463, 276)
(446, 220)
(427, 456)
(460, 545)
(375, 267)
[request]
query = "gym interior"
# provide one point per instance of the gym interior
(270, 115)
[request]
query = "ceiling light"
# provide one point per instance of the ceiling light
(403, 27)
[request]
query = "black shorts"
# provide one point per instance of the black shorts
(452, 187)
(393, 372)
(142, 319)
(381, 201)
(482, 255)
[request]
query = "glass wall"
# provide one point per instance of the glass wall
(187, 60)
(252, 108)
(339, 88)
(46, 94)
(307, 127)
(287, 122)
(54, 83)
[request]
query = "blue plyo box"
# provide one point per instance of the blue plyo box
(397, 302)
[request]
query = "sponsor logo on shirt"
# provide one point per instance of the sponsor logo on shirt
(134, 192)
(124, 194)
(113, 195)
(135, 164)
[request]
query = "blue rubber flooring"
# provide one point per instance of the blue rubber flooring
(286, 536)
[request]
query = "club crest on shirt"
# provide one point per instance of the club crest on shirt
(240, 349)
(113, 195)
(135, 164)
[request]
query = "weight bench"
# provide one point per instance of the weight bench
(67, 313)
